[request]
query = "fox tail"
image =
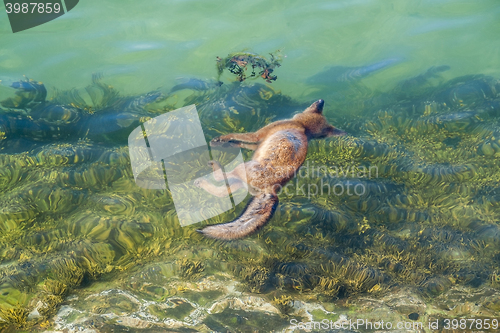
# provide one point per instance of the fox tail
(257, 213)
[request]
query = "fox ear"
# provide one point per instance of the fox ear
(316, 107)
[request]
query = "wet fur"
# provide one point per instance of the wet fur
(280, 150)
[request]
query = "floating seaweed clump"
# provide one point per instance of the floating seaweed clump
(248, 65)
(425, 165)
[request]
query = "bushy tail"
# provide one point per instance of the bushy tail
(258, 212)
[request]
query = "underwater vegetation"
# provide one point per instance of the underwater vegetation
(191, 269)
(283, 303)
(427, 218)
(105, 117)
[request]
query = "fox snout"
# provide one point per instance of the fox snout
(336, 132)
(319, 104)
(316, 107)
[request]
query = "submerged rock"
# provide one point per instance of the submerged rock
(68, 117)
(338, 76)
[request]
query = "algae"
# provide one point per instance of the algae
(428, 218)
(284, 304)
(191, 269)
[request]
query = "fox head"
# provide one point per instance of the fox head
(315, 123)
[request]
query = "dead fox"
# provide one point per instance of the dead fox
(280, 149)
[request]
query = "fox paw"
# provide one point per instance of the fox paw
(199, 182)
(214, 165)
(224, 144)
(219, 141)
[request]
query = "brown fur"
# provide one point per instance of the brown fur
(280, 149)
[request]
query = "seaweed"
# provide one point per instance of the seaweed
(191, 269)
(256, 278)
(15, 316)
(29, 94)
(427, 220)
(284, 304)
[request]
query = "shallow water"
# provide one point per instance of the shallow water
(407, 202)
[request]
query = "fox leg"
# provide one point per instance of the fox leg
(238, 137)
(219, 191)
(238, 173)
(234, 181)
(218, 173)
(237, 178)
(249, 146)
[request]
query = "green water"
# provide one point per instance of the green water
(140, 46)
(73, 223)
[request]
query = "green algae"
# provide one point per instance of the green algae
(177, 309)
(204, 297)
(320, 315)
(71, 213)
(243, 321)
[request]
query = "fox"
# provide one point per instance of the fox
(280, 149)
